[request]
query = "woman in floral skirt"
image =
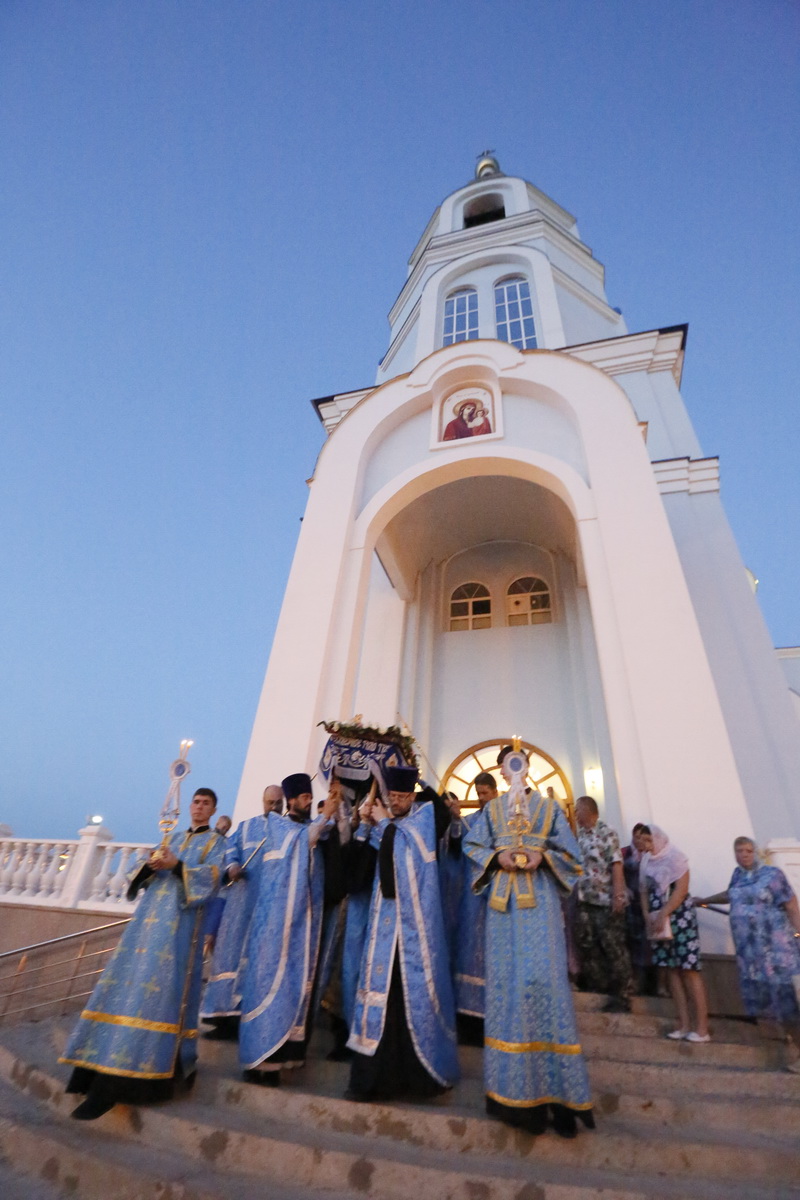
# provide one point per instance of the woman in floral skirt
(671, 925)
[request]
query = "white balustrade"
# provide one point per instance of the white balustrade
(118, 884)
(90, 873)
(11, 854)
(100, 887)
(65, 855)
(23, 866)
(33, 879)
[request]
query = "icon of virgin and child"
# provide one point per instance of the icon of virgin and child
(470, 419)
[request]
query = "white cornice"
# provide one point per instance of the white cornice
(687, 475)
(583, 294)
(331, 411)
(655, 350)
(508, 232)
(400, 336)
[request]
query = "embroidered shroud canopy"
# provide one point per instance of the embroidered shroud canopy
(360, 753)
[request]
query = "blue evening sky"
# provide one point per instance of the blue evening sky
(207, 207)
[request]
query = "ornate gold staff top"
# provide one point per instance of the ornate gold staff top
(171, 808)
(519, 824)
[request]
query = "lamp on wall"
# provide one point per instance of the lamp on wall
(593, 782)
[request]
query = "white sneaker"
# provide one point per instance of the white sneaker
(678, 1035)
(698, 1037)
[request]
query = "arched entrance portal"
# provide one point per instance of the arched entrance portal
(544, 773)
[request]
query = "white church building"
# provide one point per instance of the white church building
(516, 531)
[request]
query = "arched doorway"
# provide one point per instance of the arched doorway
(544, 772)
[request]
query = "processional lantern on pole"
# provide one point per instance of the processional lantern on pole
(171, 808)
(516, 764)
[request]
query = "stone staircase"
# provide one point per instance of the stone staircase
(674, 1120)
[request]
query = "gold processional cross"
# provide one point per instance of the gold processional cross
(519, 824)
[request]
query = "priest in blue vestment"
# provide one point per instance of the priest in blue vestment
(403, 1026)
(470, 933)
(279, 965)
(526, 858)
(137, 1035)
(221, 999)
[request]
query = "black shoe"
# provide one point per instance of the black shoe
(226, 1030)
(262, 1078)
(617, 1004)
(339, 1054)
(532, 1120)
(92, 1108)
(564, 1121)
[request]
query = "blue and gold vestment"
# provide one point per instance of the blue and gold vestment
(470, 938)
(280, 959)
(141, 1019)
(222, 997)
(531, 1055)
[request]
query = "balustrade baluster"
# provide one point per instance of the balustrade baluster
(100, 889)
(118, 884)
(48, 881)
(38, 857)
(9, 866)
(64, 857)
(22, 868)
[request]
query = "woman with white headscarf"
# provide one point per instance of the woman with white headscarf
(765, 923)
(672, 929)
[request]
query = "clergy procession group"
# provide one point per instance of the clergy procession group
(409, 927)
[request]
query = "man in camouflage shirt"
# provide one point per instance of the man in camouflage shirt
(600, 917)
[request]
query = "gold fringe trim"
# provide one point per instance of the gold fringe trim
(91, 1066)
(542, 1100)
(136, 1023)
(527, 1047)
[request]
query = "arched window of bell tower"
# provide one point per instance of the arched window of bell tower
(460, 316)
(513, 309)
(471, 607)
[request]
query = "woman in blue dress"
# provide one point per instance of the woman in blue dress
(765, 923)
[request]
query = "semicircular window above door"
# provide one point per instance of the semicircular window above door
(544, 773)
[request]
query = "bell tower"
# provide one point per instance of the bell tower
(498, 259)
(519, 533)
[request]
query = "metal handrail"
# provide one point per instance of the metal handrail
(66, 937)
(15, 1012)
(50, 966)
(52, 983)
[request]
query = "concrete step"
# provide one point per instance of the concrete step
(648, 1025)
(389, 1151)
(686, 1079)
(55, 1159)
(679, 1076)
(625, 1048)
(680, 1090)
